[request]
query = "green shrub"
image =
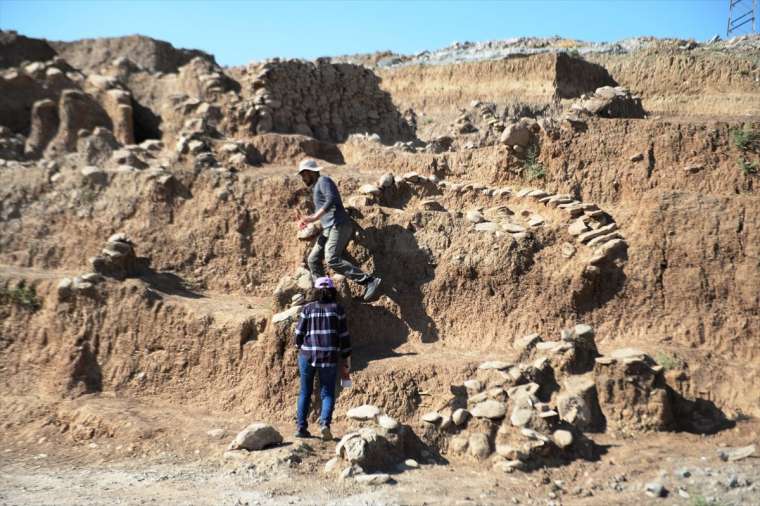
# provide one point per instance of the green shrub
(667, 361)
(745, 139)
(749, 168)
(21, 295)
(532, 167)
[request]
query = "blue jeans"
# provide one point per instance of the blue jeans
(328, 377)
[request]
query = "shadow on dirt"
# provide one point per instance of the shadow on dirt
(169, 283)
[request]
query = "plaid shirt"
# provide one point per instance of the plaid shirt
(322, 333)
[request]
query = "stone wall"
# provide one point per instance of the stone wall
(322, 100)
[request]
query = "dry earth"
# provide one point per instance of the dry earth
(111, 383)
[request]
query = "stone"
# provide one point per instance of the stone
(372, 479)
(683, 473)
(216, 433)
(475, 216)
(562, 438)
(479, 445)
(473, 386)
(432, 417)
(488, 226)
(492, 409)
(363, 413)
(527, 342)
(287, 315)
(734, 454)
(349, 472)
(592, 234)
(309, 232)
(43, 128)
(577, 227)
(256, 436)
(459, 444)
(460, 416)
(507, 466)
(516, 134)
(536, 220)
(387, 422)
(369, 189)
(655, 489)
(513, 228)
(494, 364)
(332, 465)
(608, 251)
(65, 288)
(578, 404)
(509, 452)
(412, 464)
(693, 168)
(537, 194)
(603, 239)
(567, 249)
(386, 181)
(520, 417)
(412, 177)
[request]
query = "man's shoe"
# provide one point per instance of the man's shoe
(302, 434)
(372, 290)
(325, 433)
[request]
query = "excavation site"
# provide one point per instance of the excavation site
(545, 253)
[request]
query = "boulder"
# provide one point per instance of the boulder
(43, 129)
(516, 134)
(460, 416)
(256, 436)
(479, 445)
(578, 404)
(475, 216)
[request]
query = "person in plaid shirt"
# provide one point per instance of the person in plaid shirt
(322, 338)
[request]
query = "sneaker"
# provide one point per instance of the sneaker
(371, 292)
(302, 434)
(325, 433)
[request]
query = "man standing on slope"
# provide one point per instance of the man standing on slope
(337, 230)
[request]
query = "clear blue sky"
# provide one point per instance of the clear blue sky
(239, 31)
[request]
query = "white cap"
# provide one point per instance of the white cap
(308, 164)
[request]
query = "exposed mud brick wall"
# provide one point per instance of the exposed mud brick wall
(537, 79)
(326, 101)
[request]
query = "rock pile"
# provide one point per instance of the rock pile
(610, 102)
(118, 260)
(533, 413)
(322, 100)
(375, 443)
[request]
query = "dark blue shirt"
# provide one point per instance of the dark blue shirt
(326, 196)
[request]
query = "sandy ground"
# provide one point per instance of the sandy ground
(162, 470)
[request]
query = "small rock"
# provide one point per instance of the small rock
(411, 464)
(513, 228)
(693, 168)
(331, 465)
(432, 417)
(637, 157)
(562, 438)
(369, 189)
(520, 417)
(216, 433)
(527, 342)
(475, 217)
(479, 445)
(256, 436)
(734, 454)
(473, 386)
(683, 473)
(655, 489)
(372, 479)
(386, 422)
(494, 364)
(365, 412)
(386, 181)
(65, 287)
(490, 409)
(460, 416)
(349, 472)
